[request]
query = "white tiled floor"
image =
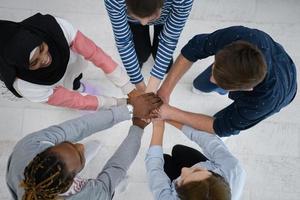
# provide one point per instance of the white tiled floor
(269, 151)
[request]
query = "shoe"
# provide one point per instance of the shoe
(218, 90)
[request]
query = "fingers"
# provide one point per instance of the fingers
(154, 115)
(155, 99)
(149, 95)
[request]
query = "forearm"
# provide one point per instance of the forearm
(153, 84)
(158, 133)
(159, 182)
(77, 129)
(120, 79)
(179, 68)
(198, 121)
(63, 97)
(90, 51)
(116, 167)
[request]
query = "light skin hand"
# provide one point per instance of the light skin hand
(195, 120)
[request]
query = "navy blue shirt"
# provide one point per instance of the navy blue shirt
(249, 107)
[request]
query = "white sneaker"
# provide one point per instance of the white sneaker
(196, 91)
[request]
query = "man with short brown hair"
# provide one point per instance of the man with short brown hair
(256, 71)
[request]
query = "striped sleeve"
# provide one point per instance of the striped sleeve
(169, 36)
(123, 37)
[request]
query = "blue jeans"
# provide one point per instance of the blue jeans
(202, 83)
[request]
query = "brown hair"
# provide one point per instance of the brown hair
(239, 65)
(212, 188)
(144, 8)
(46, 177)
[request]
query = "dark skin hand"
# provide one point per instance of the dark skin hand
(139, 122)
(144, 104)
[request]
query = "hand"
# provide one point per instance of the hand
(162, 112)
(144, 104)
(163, 95)
(139, 122)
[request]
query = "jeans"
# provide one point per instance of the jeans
(203, 83)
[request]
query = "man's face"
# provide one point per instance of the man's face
(146, 20)
(41, 57)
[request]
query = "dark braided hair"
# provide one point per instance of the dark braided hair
(46, 177)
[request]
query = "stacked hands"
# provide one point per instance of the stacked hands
(146, 108)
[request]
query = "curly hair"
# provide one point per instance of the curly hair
(46, 177)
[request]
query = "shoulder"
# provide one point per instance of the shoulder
(93, 189)
(33, 92)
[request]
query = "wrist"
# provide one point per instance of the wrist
(130, 109)
(139, 122)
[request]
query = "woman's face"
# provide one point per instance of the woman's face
(72, 155)
(192, 174)
(41, 57)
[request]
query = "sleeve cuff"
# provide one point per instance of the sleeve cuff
(186, 52)
(106, 102)
(121, 113)
(127, 88)
(155, 151)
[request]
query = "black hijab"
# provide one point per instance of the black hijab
(17, 40)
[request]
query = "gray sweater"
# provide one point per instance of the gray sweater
(75, 130)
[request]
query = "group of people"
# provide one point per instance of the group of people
(42, 59)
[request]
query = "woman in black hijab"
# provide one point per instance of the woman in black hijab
(41, 60)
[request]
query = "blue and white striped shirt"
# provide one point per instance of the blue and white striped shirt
(173, 15)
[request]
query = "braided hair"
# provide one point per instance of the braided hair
(46, 177)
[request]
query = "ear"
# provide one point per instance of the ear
(212, 79)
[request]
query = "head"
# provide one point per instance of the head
(239, 66)
(144, 11)
(200, 184)
(26, 50)
(52, 172)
